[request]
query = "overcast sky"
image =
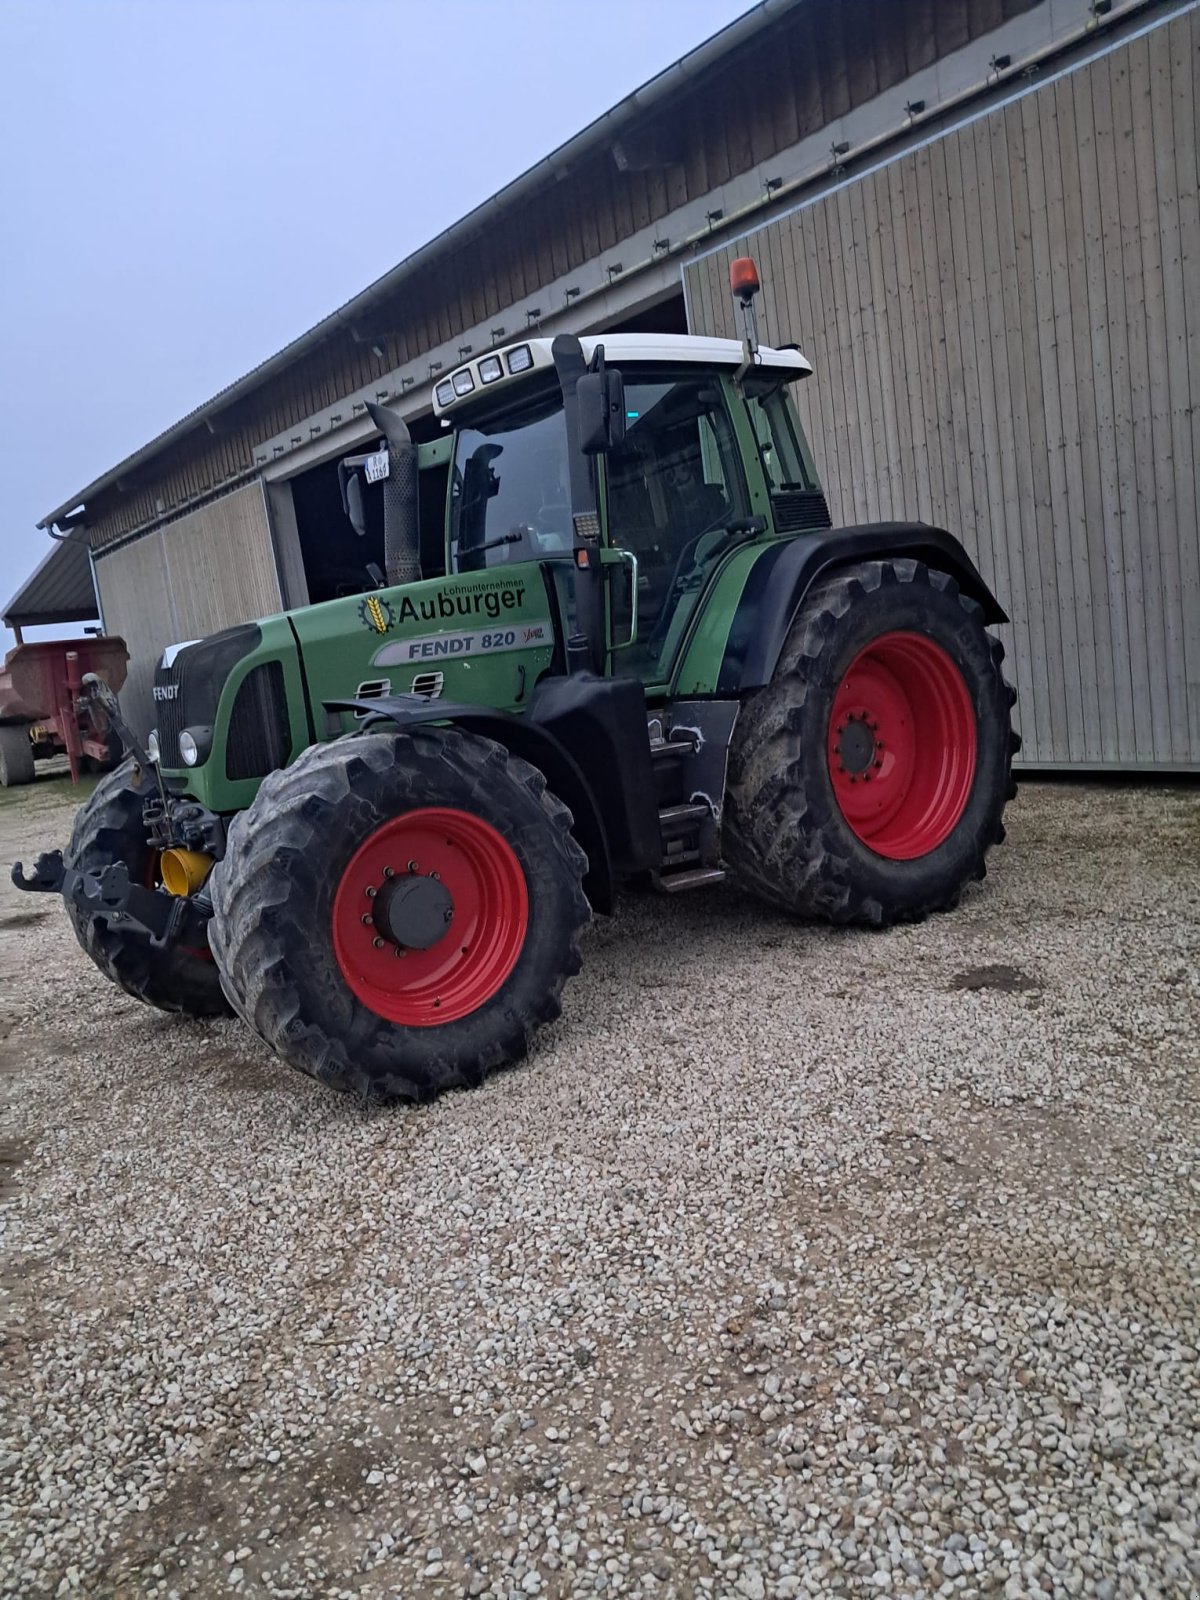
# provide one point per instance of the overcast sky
(186, 185)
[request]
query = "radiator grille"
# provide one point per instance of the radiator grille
(187, 691)
(259, 731)
(798, 510)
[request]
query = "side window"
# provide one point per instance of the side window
(778, 443)
(675, 489)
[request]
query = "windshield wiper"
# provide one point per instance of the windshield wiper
(514, 537)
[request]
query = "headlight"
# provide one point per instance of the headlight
(490, 369)
(194, 745)
(463, 382)
(520, 359)
(444, 392)
(152, 746)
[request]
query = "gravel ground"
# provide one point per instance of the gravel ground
(794, 1262)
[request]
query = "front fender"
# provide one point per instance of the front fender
(785, 572)
(526, 740)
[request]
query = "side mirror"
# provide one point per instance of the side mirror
(600, 399)
(352, 499)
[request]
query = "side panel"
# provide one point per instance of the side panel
(487, 636)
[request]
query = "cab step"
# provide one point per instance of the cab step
(674, 820)
(692, 878)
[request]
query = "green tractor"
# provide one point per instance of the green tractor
(616, 638)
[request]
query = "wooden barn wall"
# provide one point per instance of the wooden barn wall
(819, 61)
(204, 572)
(1005, 327)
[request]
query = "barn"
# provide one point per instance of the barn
(978, 218)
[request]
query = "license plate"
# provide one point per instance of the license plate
(378, 466)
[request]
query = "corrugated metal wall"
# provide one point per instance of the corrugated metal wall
(204, 572)
(1005, 326)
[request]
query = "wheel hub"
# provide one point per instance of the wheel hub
(857, 748)
(413, 911)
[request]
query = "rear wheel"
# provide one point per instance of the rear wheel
(396, 914)
(109, 828)
(869, 779)
(16, 756)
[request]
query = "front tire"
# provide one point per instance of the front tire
(109, 828)
(868, 780)
(396, 914)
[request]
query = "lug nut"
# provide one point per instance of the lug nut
(366, 919)
(371, 891)
(412, 866)
(449, 914)
(388, 873)
(377, 942)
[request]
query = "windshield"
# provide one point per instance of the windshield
(510, 499)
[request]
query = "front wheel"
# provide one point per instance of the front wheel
(109, 828)
(868, 780)
(397, 913)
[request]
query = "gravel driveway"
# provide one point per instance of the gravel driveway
(793, 1262)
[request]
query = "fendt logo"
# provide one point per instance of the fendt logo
(166, 691)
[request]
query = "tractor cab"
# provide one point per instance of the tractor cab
(622, 472)
(631, 467)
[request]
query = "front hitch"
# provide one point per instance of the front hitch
(110, 894)
(47, 875)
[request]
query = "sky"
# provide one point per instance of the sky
(187, 185)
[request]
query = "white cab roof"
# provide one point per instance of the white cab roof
(622, 349)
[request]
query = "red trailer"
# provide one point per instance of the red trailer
(44, 711)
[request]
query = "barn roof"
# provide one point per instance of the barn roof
(60, 589)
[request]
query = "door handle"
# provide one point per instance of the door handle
(629, 559)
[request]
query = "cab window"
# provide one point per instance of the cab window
(510, 499)
(778, 442)
(676, 494)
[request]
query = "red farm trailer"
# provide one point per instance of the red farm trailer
(44, 711)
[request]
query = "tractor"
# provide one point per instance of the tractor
(616, 638)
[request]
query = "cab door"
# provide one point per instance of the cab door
(676, 500)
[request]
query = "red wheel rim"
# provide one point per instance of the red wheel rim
(902, 746)
(481, 884)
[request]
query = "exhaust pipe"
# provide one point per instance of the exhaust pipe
(401, 533)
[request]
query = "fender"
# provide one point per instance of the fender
(786, 571)
(531, 743)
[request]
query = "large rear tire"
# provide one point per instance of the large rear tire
(396, 913)
(869, 779)
(16, 756)
(109, 828)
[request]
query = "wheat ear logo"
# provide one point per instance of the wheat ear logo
(376, 614)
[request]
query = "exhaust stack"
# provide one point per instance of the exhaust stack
(401, 533)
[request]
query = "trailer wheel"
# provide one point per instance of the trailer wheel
(396, 914)
(109, 828)
(16, 756)
(869, 779)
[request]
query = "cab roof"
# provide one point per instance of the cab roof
(495, 368)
